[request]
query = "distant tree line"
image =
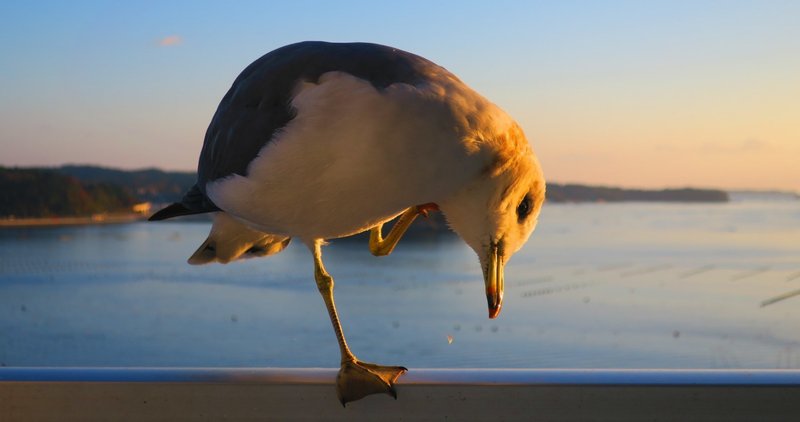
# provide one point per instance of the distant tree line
(26, 193)
(148, 185)
(582, 193)
(86, 190)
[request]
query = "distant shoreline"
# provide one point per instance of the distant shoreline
(110, 193)
(557, 192)
(72, 221)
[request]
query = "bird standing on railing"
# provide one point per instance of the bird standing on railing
(320, 140)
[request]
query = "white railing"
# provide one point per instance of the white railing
(430, 394)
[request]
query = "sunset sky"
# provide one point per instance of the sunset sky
(628, 93)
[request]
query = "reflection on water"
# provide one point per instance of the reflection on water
(605, 286)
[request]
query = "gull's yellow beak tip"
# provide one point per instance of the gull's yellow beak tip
(493, 275)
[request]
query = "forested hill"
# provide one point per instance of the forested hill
(148, 185)
(26, 193)
(85, 190)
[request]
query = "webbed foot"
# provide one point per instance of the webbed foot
(357, 380)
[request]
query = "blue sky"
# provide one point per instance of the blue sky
(648, 94)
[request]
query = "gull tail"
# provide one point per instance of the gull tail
(230, 240)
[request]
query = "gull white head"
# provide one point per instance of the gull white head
(497, 211)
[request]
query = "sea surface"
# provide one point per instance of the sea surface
(631, 285)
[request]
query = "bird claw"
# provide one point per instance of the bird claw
(357, 380)
(425, 208)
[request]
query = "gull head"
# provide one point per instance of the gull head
(496, 212)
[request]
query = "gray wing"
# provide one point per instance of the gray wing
(258, 104)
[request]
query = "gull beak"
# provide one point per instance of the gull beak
(493, 277)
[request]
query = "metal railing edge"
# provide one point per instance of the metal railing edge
(415, 376)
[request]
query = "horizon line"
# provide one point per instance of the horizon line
(601, 185)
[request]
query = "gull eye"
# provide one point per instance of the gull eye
(524, 208)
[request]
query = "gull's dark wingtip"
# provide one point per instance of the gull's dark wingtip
(193, 202)
(175, 210)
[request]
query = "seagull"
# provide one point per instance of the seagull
(318, 141)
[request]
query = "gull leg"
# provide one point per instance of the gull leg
(380, 246)
(356, 379)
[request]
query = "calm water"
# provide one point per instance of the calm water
(605, 286)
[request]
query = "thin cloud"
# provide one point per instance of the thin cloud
(753, 144)
(170, 41)
(745, 146)
(749, 145)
